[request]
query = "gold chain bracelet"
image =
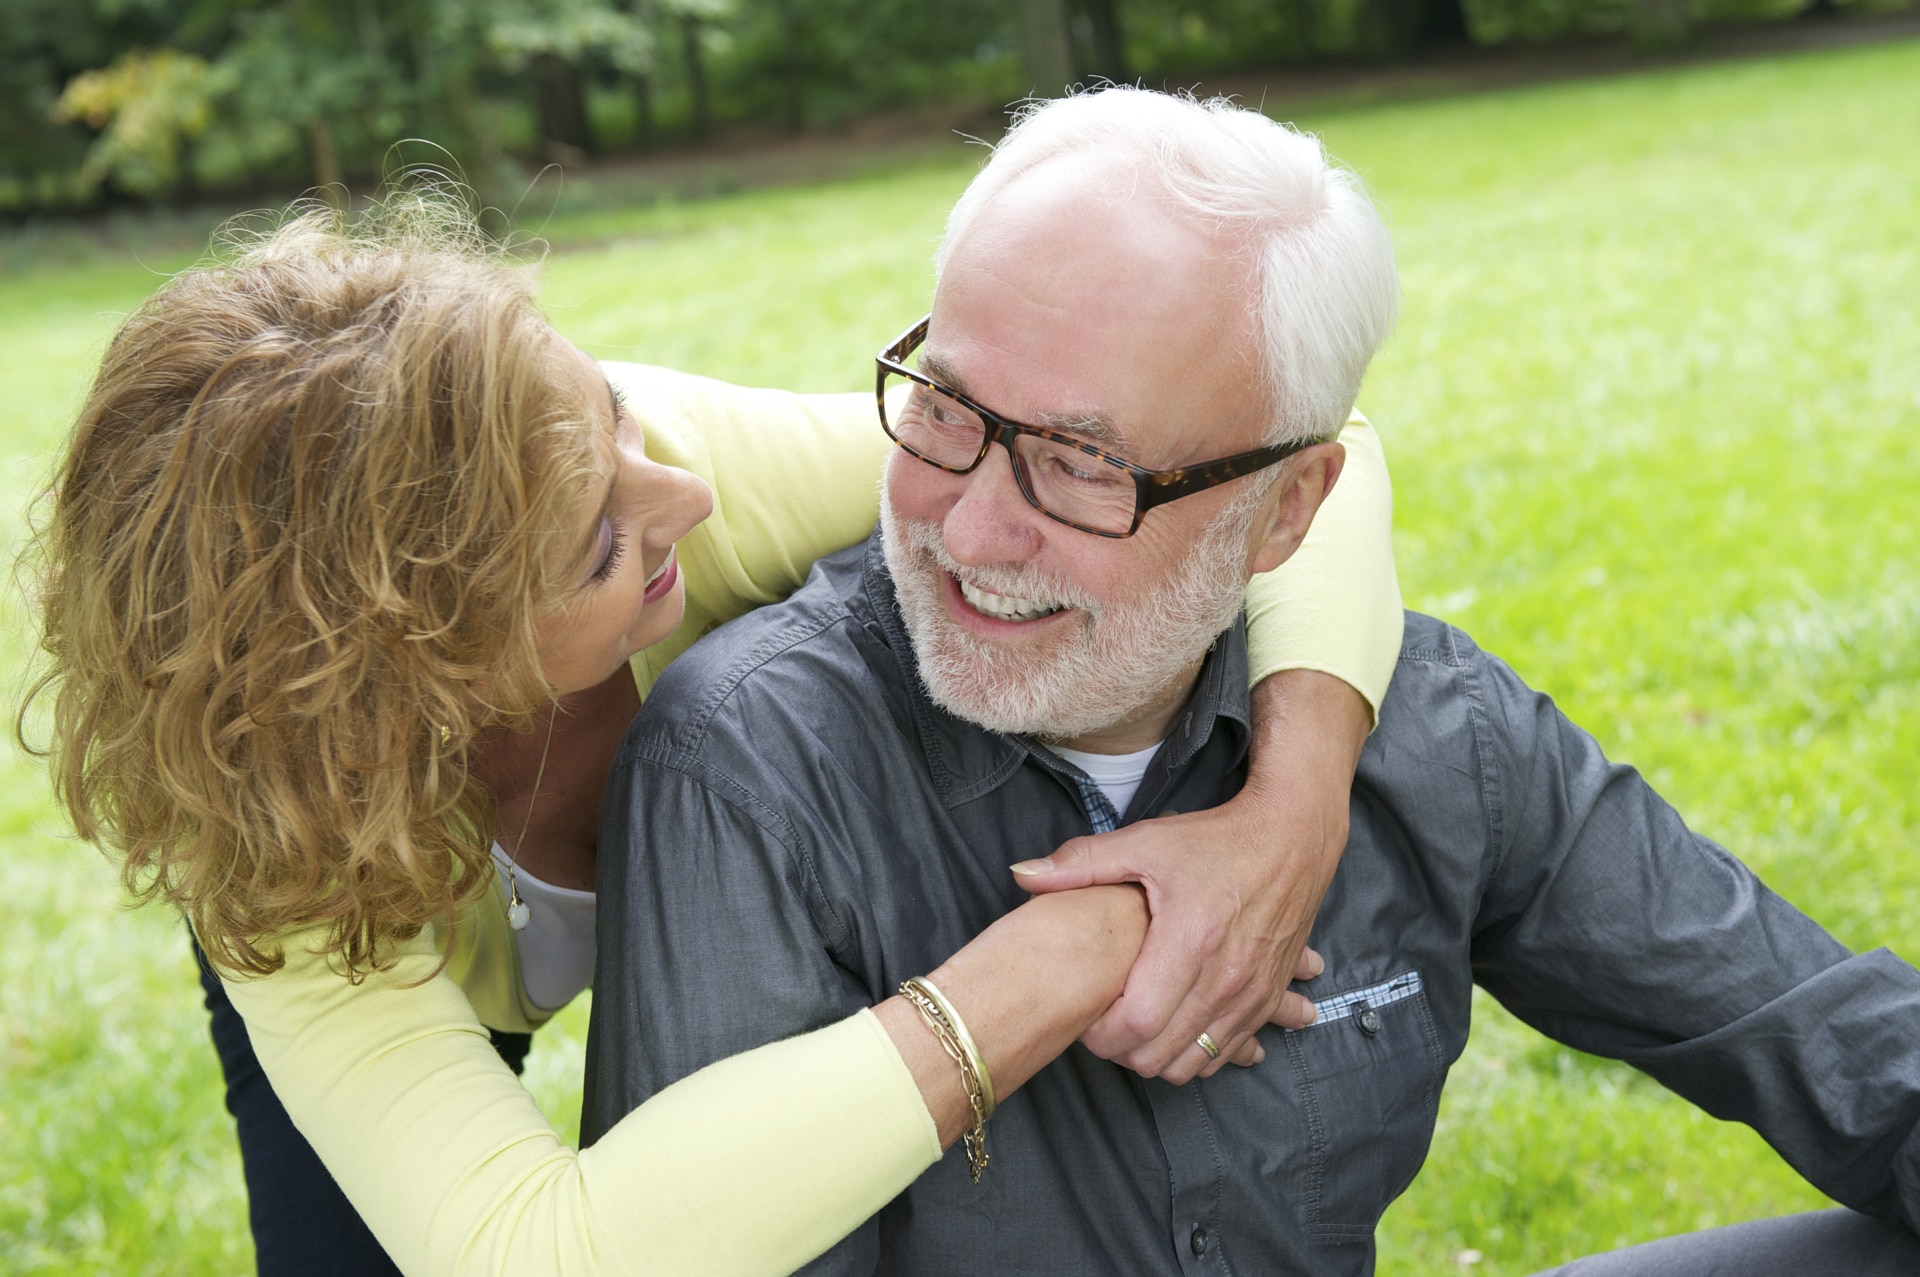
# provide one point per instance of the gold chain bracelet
(950, 1031)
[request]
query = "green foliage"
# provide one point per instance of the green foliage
(147, 108)
(1654, 416)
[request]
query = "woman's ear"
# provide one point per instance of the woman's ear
(1305, 481)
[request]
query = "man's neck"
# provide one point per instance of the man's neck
(1144, 728)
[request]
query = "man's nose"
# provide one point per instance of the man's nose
(992, 521)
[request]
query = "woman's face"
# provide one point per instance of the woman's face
(627, 592)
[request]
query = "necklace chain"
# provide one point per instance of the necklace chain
(518, 912)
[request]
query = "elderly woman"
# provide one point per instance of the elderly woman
(347, 559)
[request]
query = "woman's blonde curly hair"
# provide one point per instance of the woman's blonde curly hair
(297, 553)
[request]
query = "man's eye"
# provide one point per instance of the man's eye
(1075, 468)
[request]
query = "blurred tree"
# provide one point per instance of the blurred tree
(694, 20)
(44, 44)
(147, 108)
(1105, 56)
(556, 42)
(1046, 46)
(1659, 25)
(641, 76)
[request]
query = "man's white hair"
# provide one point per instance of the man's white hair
(1325, 288)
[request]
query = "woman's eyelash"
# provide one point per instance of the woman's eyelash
(616, 547)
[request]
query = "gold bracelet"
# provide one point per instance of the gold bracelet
(987, 1101)
(951, 1033)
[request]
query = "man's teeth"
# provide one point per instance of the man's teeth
(1005, 607)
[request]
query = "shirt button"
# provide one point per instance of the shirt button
(1198, 1241)
(1367, 1018)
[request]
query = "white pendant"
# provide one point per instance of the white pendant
(517, 915)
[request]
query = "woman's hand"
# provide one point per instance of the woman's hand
(1233, 891)
(564, 829)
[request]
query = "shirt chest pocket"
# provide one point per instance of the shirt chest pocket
(1368, 1077)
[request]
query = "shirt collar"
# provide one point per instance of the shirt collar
(966, 761)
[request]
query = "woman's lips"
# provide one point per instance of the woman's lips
(662, 580)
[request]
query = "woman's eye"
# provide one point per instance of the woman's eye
(606, 556)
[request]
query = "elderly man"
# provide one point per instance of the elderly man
(1148, 315)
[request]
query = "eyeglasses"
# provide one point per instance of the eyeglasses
(1065, 478)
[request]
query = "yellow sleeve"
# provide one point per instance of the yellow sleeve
(1335, 605)
(797, 476)
(751, 1166)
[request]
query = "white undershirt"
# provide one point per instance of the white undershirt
(556, 948)
(1118, 775)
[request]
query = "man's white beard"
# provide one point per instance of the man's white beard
(1117, 661)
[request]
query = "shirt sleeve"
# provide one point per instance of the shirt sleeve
(752, 1166)
(1335, 605)
(715, 938)
(795, 477)
(1612, 927)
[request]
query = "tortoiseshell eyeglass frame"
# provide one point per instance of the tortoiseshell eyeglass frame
(1151, 487)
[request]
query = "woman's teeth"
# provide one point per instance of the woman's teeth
(1005, 607)
(662, 569)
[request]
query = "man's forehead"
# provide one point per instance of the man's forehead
(1078, 299)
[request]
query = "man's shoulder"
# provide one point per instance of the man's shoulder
(1450, 700)
(817, 656)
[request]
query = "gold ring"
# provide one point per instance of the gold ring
(1206, 1043)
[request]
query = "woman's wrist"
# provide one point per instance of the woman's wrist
(1026, 988)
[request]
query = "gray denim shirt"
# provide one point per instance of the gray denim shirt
(793, 828)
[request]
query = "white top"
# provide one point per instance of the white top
(556, 948)
(1119, 775)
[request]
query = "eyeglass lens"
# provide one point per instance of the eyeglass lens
(1060, 479)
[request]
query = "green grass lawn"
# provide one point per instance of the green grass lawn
(1654, 415)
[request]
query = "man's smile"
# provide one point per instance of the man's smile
(1005, 607)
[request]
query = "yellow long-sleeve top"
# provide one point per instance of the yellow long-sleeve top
(758, 1163)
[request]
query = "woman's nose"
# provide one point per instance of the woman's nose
(684, 502)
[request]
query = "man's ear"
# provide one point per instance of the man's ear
(1306, 478)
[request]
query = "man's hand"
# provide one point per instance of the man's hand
(1232, 892)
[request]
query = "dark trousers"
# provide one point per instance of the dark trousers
(1827, 1243)
(303, 1225)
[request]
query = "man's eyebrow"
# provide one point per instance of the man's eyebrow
(1095, 428)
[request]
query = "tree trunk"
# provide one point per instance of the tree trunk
(643, 125)
(325, 156)
(1109, 57)
(1300, 17)
(1046, 45)
(1656, 26)
(1393, 28)
(1443, 22)
(793, 64)
(560, 98)
(696, 76)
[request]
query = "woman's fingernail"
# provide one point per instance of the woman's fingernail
(1028, 868)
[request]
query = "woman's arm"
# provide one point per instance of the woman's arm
(753, 1165)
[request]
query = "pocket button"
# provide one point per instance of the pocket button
(1367, 1018)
